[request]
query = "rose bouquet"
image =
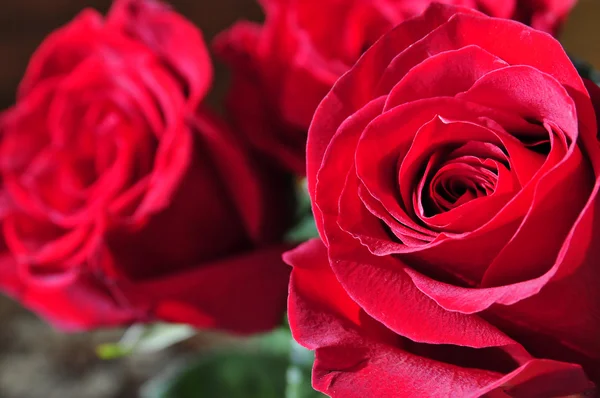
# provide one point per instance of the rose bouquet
(446, 242)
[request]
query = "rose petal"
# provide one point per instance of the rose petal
(244, 294)
(339, 161)
(173, 38)
(391, 298)
(354, 90)
(63, 50)
(354, 353)
(81, 305)
(239, 47)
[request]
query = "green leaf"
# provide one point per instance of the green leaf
(305, 228)
(271, 365)
(276, 342)
(299, 373)
(304, 204)
(229, 375)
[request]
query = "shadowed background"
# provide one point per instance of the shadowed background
(36, 361)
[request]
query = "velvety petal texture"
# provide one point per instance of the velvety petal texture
(126, 199)
(283, 68)
(356, 356)
(454, 179)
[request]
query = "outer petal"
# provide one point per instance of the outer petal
(542, 378)
(444, 75)
(225, 203)
(357, 357)
(81, 305)
(357, 87)
(391, 297)
(243, 294)
(200, 224)
(258, 120)
(570, 307)
(261, 195)
(173, 38)
(463, 29)
(339, 162)
(63, 50)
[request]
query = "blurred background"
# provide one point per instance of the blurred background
(36, 361)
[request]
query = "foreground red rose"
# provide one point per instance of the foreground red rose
(129, 203)
(454, 179)
(282, 70)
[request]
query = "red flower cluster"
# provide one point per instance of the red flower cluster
(453, 164)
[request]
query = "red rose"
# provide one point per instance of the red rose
(282, 70)
(454, 178)
(129, 203)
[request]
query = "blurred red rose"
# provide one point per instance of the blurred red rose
(130, 202)
(546, 15)
(454, 175)
(284, 68)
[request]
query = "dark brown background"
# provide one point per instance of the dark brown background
(36, 361)
(582, 33)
